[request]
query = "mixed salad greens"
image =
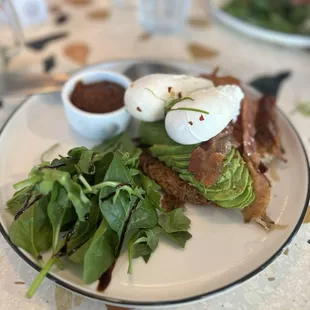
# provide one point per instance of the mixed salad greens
(88, 206)
(280, 15)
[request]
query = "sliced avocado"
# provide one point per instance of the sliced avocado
(178, 157)
(162, 149)
(152, 133)
(238, 202)
(234, 188)
(175, 164)
(231, 164)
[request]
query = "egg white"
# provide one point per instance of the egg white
(146, 98)
(190, 127)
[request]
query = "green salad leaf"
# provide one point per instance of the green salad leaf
(87, 206)
(174, 221)
(284, 16)
(56, 210)
(101, 253)
(19, 199)
(137, 247)
(32, 230)
(179, 238)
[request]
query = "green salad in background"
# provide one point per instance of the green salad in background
(289, 16)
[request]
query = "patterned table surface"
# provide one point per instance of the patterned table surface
(283, 285)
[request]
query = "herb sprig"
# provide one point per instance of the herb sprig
(169, 104)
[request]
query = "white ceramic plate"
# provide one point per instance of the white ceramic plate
(223, 252)
(281, 38)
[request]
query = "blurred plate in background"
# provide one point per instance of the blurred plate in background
(276, 37)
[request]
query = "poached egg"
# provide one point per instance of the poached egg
(222, 104)
(147, 98)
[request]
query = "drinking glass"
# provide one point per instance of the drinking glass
(163, 16)
(7, 52)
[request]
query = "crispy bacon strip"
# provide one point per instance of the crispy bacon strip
(257, 210)
(248, 117)
(207, 160)
(221, 80)
(169, 180)
(267, 134)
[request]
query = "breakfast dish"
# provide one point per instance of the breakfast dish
(213, 138)
(89, 184)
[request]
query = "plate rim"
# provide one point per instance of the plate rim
(295, 40)
(173, 302)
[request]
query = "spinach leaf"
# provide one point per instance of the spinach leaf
(180, 237)
(152, 236)
(84, 230)
(117, 212)
(144, 216)
(32, 230)
(70, 217)
(56, 210)
(117, 171)
(19, 199)
(151, 188)
(137, 247)
(78, 255)
(174, 221)
(102, 167)
(86, 162)
(77, 152)
(101, 253)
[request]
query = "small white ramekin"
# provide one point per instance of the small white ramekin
(95, 126)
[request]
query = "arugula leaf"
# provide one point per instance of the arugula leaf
(131, 160)
(74, 191)
(18, 200)
(56, 210)
(32, 230)
(174, 221)
(101, 254)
